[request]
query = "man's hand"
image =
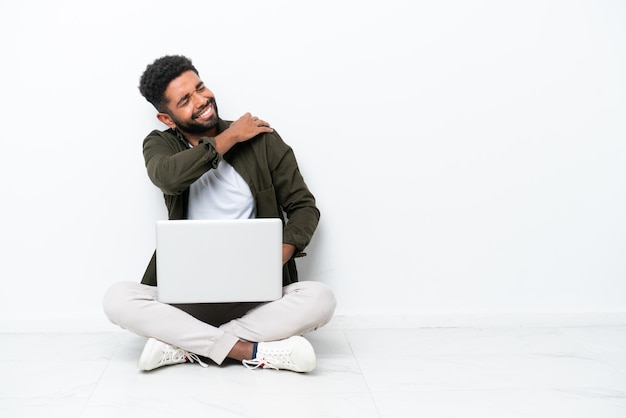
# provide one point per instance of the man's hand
(248, 126)
(243, 129)
(288, 251)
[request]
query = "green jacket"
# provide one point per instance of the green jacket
(266, 163)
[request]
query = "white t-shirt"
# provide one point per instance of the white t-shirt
(221, 193)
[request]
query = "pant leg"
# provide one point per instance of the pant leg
(304, 307)
(134, 306)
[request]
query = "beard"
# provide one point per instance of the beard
(194, 127)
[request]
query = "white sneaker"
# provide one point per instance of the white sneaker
(156, 354)
(294, 353)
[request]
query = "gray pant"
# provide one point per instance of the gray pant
(211, 330)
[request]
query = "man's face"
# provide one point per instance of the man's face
(191, 105)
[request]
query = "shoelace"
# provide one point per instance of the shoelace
(179, 355)
(260, 362)
(191, 357)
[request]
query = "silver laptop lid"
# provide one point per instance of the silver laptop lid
(211, 261)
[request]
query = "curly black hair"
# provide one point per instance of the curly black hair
(158, 76)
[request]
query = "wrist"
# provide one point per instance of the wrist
(225, 141)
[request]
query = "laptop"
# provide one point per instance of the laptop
(216, 261)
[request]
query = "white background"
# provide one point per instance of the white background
(468, 157)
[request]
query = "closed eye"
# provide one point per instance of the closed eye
(184, 101)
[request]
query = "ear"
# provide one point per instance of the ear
(165, 118)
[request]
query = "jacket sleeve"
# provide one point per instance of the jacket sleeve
(173, 168)
(293, 195)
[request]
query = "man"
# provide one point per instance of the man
(208, 168)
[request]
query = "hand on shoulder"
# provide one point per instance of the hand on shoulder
(241, 130)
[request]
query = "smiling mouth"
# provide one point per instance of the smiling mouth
(207, 112)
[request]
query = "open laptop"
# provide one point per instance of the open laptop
(214, 261)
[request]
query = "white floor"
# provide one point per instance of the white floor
(420, 372)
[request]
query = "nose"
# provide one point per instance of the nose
(198, 100)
